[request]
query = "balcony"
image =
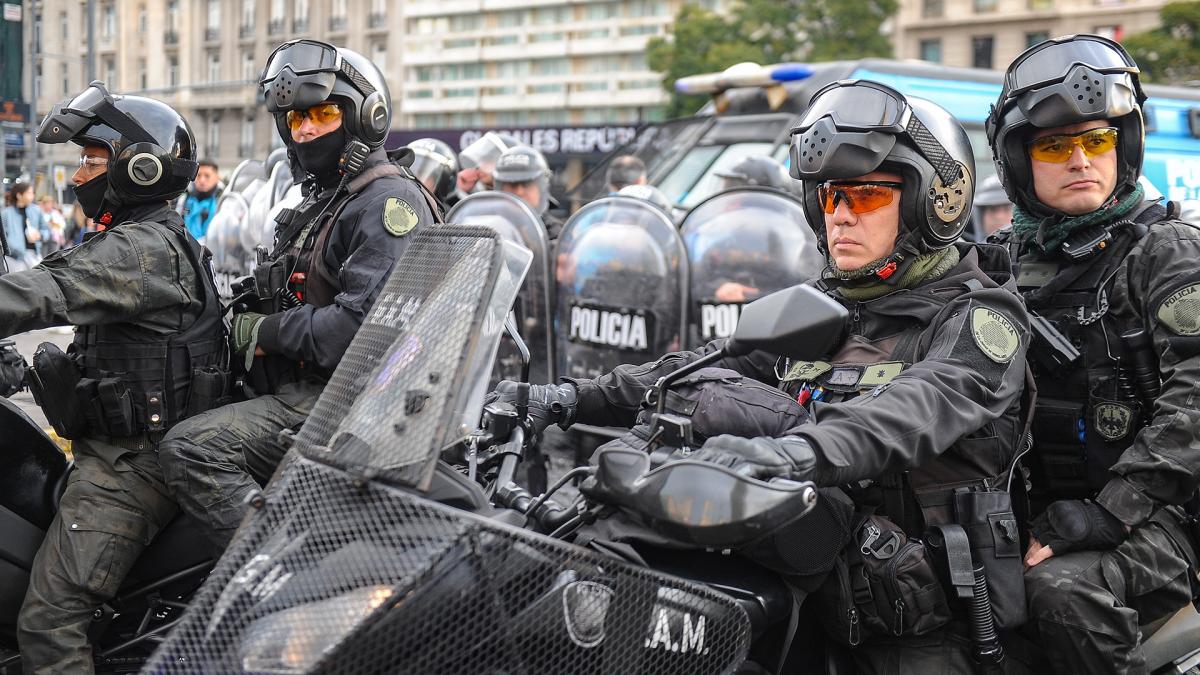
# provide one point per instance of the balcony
(171, 38)
(212, 34)
(275, 27)
(337, 24)
(377, 20)
(300, 26)
(246, 32)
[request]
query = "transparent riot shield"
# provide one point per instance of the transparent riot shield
(515, 221)
(224, 239)
(245, 173)
(621, 278)
(741, 245)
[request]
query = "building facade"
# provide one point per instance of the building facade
(990, 33)
(449, 63)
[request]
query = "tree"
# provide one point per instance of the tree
(766, 31)
(1170, 54)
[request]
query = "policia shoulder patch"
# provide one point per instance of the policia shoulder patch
(399, 218)
(994, 334)
(1180, 311)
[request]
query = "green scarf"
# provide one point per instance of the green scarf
(1048, 233)
(923, 268)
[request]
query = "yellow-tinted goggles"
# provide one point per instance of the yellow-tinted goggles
(324, 113)
(1060, 147)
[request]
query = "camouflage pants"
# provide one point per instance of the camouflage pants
(114, 504)
(213, 461)
(1087, 606)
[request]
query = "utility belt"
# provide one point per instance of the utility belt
(888, 584)
(78, 407)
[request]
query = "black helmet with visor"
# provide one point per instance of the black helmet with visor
(152, 150)
(1064, 81)
(855, 127)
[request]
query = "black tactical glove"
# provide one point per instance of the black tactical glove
(12, 369)
(763, 458)
(1073, 525)
(548, 403)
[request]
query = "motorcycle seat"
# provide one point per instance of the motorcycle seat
(1177, 640)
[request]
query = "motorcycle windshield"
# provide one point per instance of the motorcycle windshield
(741, 245)
(621, 279)
(340, 572)
(516, 222)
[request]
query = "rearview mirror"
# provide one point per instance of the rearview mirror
(798, 322)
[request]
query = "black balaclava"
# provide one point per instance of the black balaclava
(90, 196)
(320, 156)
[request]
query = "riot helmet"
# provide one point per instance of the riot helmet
(756, 170)
(304, 73)
(1064, 81)
(854, 127)
(435, 165)
(152, 152)
(520, 168)
(484, 152)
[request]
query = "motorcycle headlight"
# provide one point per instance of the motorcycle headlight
(294, 640)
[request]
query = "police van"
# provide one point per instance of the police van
(753, 109)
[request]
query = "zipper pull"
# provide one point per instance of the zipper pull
(898, 627)
(852, 613)
(857, 306)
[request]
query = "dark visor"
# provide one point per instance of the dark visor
(304, 56)
(1053, 61)
(857, 105)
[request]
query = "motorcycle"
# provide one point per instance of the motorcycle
(124, 631)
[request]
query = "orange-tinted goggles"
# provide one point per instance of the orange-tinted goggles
(859, 196)
(324, 113)
(1059, 148)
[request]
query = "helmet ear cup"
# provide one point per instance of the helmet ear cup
(374, 118)
(141, 170)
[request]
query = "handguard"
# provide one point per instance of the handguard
(697, 502)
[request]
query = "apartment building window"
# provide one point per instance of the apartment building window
(463, 23)
(278, 10)
(37, 76)
(247, 143)
(556, 36)
(931, 50)
(63, 26)
(143, 75)
(1036, 38)
(37, 32)
(108, 22)
(461, 92)
(984, 6)
(1110, 3)
(931, 9)
(249, 9)
(379, 54)
(379, 6)
(981, 51)
(172, 16)
(640, 8)
(513, 69)
(65, 71)
(143, 22)
(1110, 32)
(110, 72)
(214, 136)
(212, 25)
(300, 23)
(173, 71)
(550, 67)
(510, 19)
(491, 41)
(214, 66)
(601, 10)
(249, 66)
(1040, 5)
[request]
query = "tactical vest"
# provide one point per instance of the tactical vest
(1088, 411)
(135, 380)
(924, 496)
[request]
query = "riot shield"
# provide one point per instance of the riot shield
(622, 287)
(346, 569)
(224, 239)
(741, 245)
(245, 173)
(515, 221)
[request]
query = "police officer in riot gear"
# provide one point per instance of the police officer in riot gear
(436, 166)
(476, 163)
(921, 398)
(148, 352)
(1110, 279)
(331, 257)
(756, 170)
(522, 172)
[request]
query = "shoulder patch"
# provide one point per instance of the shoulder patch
(806, 371)
(1180, 311)
(994, 334)
(399, 218)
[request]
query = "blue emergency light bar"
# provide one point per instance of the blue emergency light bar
(742, 75)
